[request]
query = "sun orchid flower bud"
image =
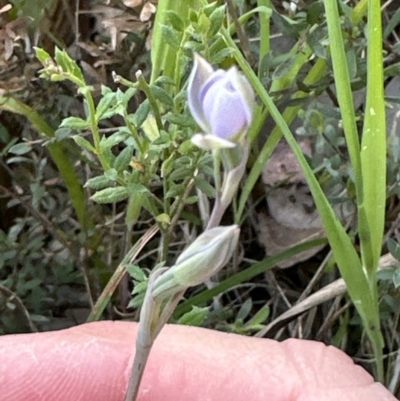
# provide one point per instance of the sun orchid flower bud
(221, 102)
(199, 261)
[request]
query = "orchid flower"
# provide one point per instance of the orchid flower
(221, 102)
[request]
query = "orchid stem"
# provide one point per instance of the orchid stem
(150, 325)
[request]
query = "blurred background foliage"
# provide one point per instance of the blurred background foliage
(54, 263)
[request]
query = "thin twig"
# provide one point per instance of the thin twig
(244, 42)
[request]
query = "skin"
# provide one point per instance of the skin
(92, 362)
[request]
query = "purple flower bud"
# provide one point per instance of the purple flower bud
(222, 104)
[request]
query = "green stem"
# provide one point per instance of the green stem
(144, 86)
(134, 132)
(95, 130)
(264, 34)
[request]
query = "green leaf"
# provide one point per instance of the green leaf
(60, 59)
(162, 58)
(150, 128)
(123, 159)
(134, 208)
(174, 191)
(391, 25)
(284, 67)
(20, 148)
(114, 139)
(386, 274)
(140, 288)
(162, 95)
(394, 248)
(104, 105)
(99, 182)
(260, 317)
(171, 36)
(110, 195)
(209, 8)
(352, 62)
(175, 20)
(163, 218)
(167, 165)
(245, 309)
(75, 122)
(137, 300)
(217, 19)
(137, 189)
(182, 120)
(62, 133)
(220, 56)
(179, 173)
(315, 11)
(195, 317)
(141, 114)
(136, 272)
(205, 186)
(191, 199)
(191, 46)
(396, 278)
(42, 55)
(68, 64)
(162, 80)
(185, 147)
(84, 143)
(111, 174)
(108, 156)
(204, 24)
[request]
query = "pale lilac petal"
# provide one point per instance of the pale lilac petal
(216, 78)
(223, 109)
(242, 86)
(199, 75)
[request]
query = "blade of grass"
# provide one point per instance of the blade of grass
(373, 145)
(373, 159)
(345, 99)
(264, 33)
